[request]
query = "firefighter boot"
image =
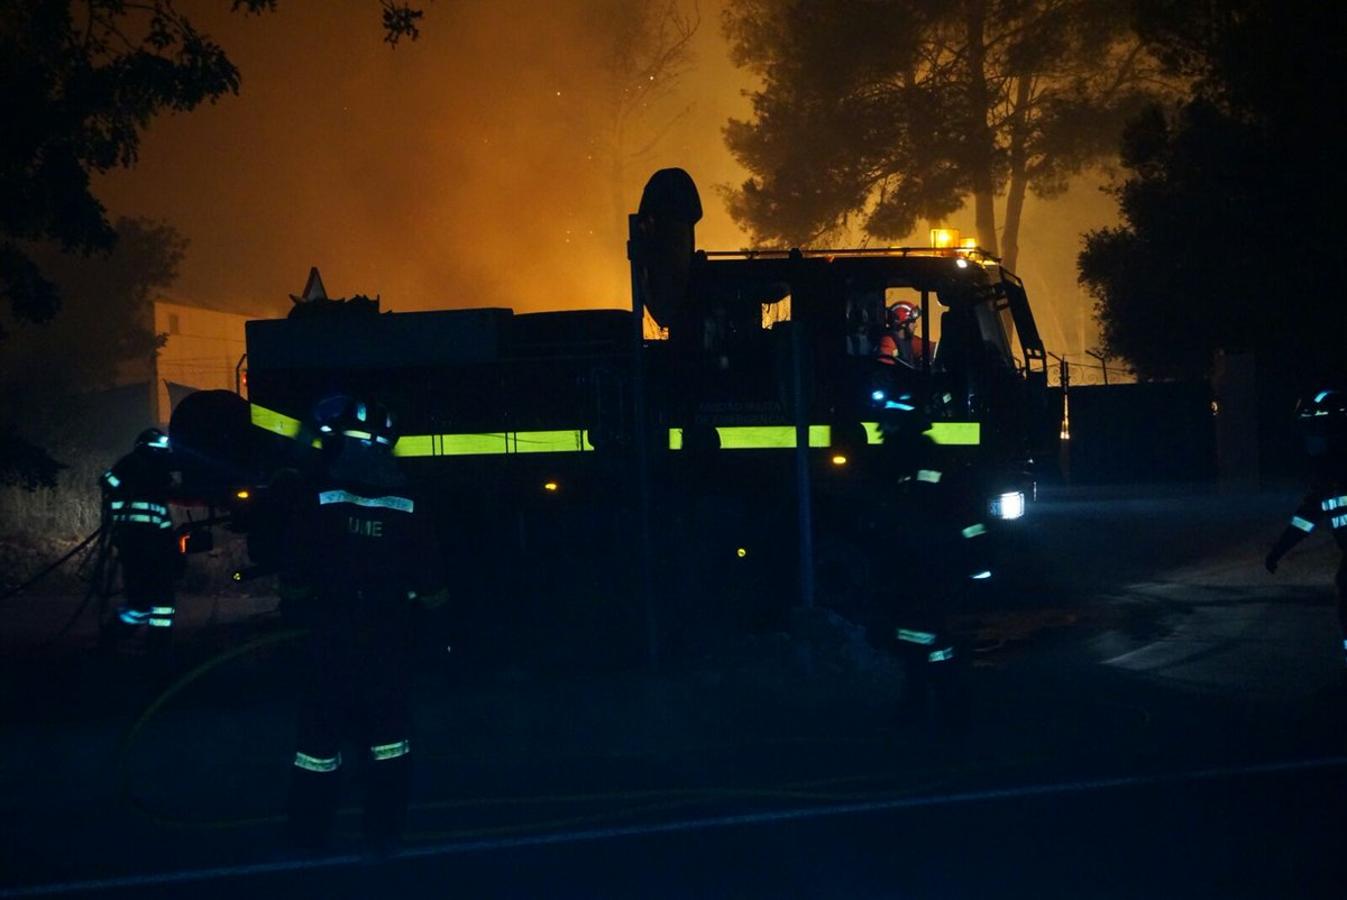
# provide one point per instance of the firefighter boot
(125, 625)
(312, 807)
(387, 789)
(159, 639)
(949, 708)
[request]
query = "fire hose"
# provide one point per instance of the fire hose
(53, 566)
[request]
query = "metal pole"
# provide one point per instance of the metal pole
(1064, 445)
(644, 553)
(803, 489)
(925, 351)
(1103, 363)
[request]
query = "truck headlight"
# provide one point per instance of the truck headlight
(1009, 505)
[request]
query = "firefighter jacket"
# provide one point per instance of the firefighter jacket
(1325, 503)
(136, 490)
(362, 532)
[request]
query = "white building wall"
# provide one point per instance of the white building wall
(203, 348)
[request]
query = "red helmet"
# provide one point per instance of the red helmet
(903, 314)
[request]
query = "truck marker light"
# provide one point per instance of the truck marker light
(961, 263)
(741, 552)
(182, 543)
(550, 486)
(839, 459)
(242, 495)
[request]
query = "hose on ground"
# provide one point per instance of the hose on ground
(14, 591)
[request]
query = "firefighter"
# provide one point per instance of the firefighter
(936, 510)
(1322, 420)
(136, 492)
(361, 552)
(899, 342)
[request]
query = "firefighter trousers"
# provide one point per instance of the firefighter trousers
(1340, 581)
(149, 564)
(354, 684)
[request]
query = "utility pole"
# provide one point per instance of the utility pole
(640, 434)
(1103, 362)
(1064, 435)
(803, 487)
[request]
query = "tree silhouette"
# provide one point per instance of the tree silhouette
(1233, 200)
(893, 111)
(106, 319)
(646, 50)
(82, 80)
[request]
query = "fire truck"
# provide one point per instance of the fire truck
(625, 476)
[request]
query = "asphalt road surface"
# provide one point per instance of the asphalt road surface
(1142, 711)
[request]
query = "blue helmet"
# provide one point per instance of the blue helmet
(152, 439)
(1322, 418)
(1328, 405)
(356, 418)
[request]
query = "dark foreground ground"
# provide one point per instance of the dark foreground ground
(1149, 714)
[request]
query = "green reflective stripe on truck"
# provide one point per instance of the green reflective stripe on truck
(494, 443)
(963, 434)
(758, 437)
(570, 440)
(732, 437)
(487, 444)
(567, 441)
(275, 422)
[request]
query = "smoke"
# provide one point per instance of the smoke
(478, 166)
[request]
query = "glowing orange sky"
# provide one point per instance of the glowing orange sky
(457, 170)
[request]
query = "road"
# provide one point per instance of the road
(1148, 713)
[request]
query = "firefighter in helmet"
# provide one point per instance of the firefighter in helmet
(1322, 420)
(136, 492)
(935, 508)
(361, 548)
(899, 343)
